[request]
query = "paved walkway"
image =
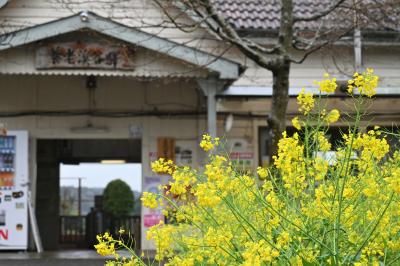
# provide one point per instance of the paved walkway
(48, 258)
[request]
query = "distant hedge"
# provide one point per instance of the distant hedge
(118, 198)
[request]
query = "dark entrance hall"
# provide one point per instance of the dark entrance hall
(52, 152)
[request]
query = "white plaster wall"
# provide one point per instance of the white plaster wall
(23, 92)
(338, 61)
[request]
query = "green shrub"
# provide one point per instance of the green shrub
(118, 198)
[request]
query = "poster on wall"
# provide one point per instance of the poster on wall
(184, 153)
(13, 191)
(152, 216)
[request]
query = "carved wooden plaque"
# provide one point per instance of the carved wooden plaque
(81, 55)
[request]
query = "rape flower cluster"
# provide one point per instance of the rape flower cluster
(296, 123)
(366, 83)
(262, 172)
(208, 143)
(108, 246)
(163, 166)
(302, 210)
(327, 85)
(149, 200)
(306, 101)
(333, 116)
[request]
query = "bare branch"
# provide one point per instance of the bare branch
(321, 14)
(308, 42)
(174, 20)
(320, 45)
(223, 29)
(309, 52)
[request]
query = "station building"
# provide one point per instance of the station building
(90, 81)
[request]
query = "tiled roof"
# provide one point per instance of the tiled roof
(265, 14)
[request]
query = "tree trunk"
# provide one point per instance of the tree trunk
(280, 98)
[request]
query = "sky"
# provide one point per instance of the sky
(98, 175)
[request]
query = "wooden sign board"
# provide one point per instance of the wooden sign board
(81, 55)
(166, 148)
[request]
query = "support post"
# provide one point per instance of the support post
(79, 196)
(210, 88)
(357, 50)
(212, 113)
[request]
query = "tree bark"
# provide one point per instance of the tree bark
(280, 77)
(280, 98)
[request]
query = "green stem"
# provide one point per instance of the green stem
(339, 187)
(373, 229)
(262, 200)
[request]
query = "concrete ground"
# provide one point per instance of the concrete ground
(78, 258)
(63, 257)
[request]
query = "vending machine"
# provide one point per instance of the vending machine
(14, 190)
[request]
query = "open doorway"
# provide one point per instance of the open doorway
(80, 184)
(82, 188)
(72, 175)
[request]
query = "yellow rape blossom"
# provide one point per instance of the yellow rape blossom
(333, 116)
(323, 143)
(258, 253)
(105, 249)
(106, 245)
(305, 101)
(208, 143)
(327, 85)
(163, 166)
(162, 235)
(262, 172)
(149, 200)
(366, 83)
(296, 123)
(182, 180)
(321, 168)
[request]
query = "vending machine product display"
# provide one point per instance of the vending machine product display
(14, 190)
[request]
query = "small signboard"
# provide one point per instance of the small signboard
(135, 131)
(242, 160)
(82, 55)
(166, 148)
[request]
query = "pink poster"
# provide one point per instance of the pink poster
(152, 216)
(150, 220)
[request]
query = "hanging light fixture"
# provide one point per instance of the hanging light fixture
(228, 123)
(112, 161)
(89, 128)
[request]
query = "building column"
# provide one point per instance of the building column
(210, 88)
(358, 50)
